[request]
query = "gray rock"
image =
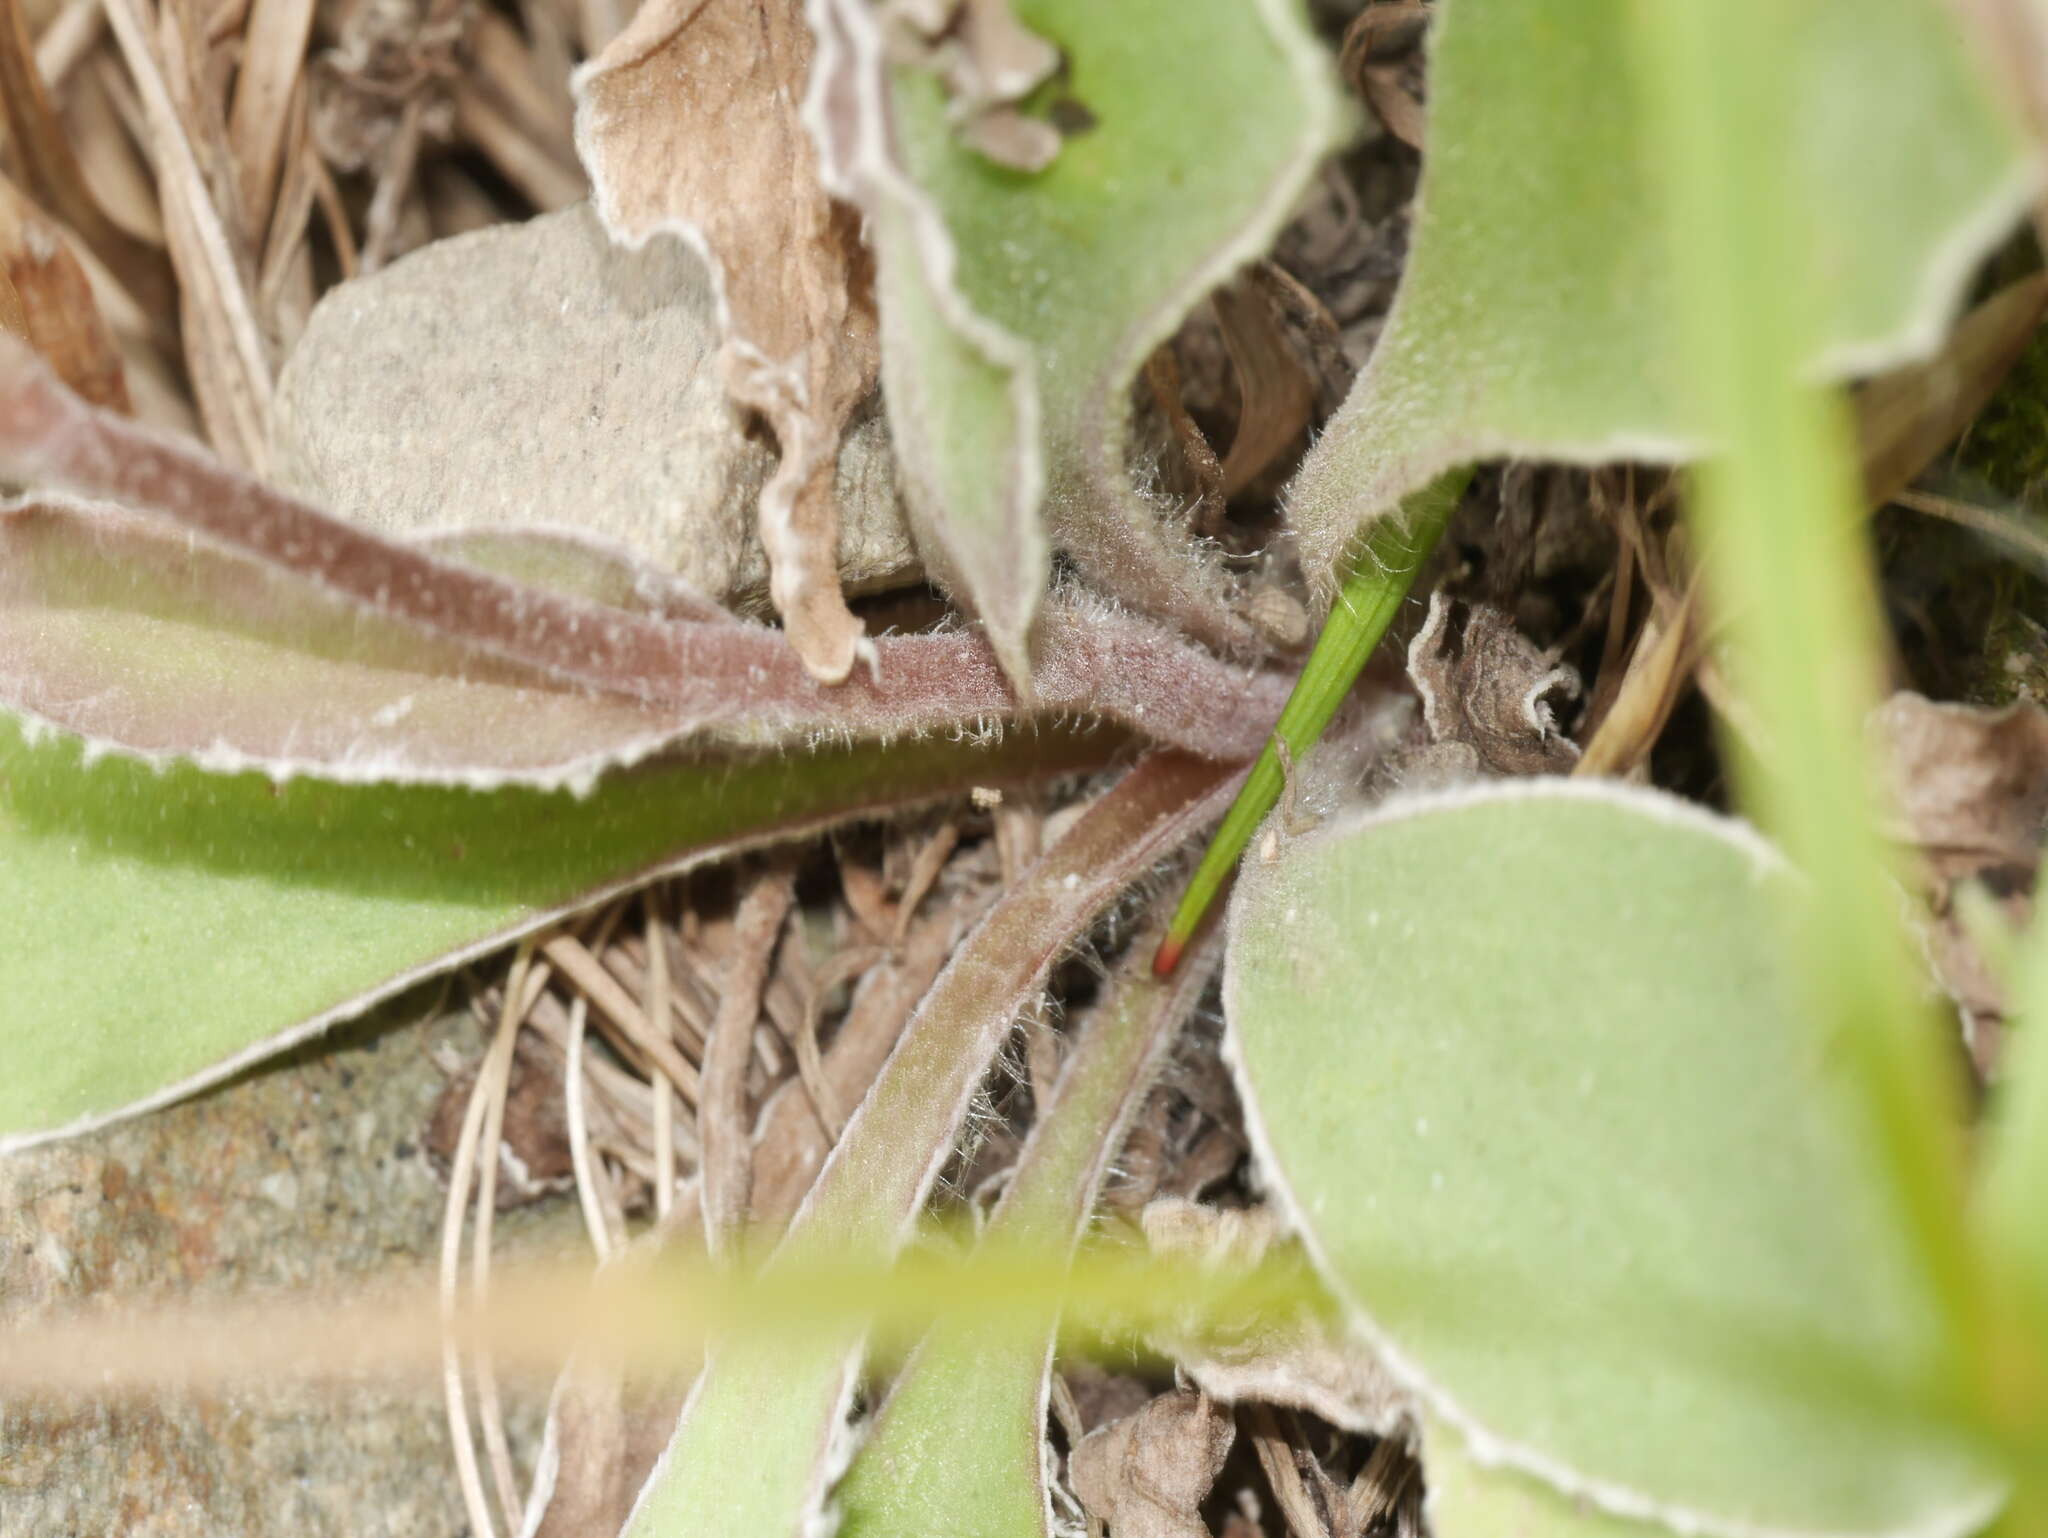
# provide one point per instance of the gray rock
(537, 374)
(309, 1174)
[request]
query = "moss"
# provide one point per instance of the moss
(2013, 663)
(2006, 448)
(1968, 623)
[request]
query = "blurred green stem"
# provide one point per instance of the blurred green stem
(1790, 576)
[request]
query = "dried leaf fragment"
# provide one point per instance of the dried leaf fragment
(1907, 416)
(989, 60)
(1147, 1474)
(57, 313)
(1970, 786)
(688, 123)
(1488, 692)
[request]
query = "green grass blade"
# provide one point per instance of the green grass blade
(2011, 1220)
(1390, 553)
(1781, 537)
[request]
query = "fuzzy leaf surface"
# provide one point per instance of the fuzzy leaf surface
(160, 929)
(1521, 1059)
(1017, 307)
(1522, 331)
(144, 640)
(243, 627)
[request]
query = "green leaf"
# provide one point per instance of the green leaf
(1380, 575)
(959, 1448)
(762, 1433)
(2012, 1195)
(1520, 1059)
(1469, 1499)
(164, 928)
(1535, 316)
(1018, 307)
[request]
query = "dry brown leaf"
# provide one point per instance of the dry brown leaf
(988, 60)
(1146, 1475)
(1276, 395)
(1389, 27)
(57, 314)
(688, 124)
(1488, 693)
(533, 1154)
(727, 1178)
(1314, 1504)
(603, 1434)
(42, 153)
(13, 316)
(1970, 786)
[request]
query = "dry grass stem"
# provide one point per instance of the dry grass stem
(723, 1126)
(273, 56)
(595, 1219)
(468, 1149)
(664, 1096)
(620, 1008)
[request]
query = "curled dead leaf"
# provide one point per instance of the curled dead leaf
(688, 123)
(1970, 789)
(1145, 1476)
(1489, 694)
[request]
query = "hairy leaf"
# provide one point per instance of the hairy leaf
(1018, 307)
(1521, 1061)
(284, 638)
(167, 927)
(143, 640)
(1535, 313)
(960, 1445)
(759, 1439)
(688, 124)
